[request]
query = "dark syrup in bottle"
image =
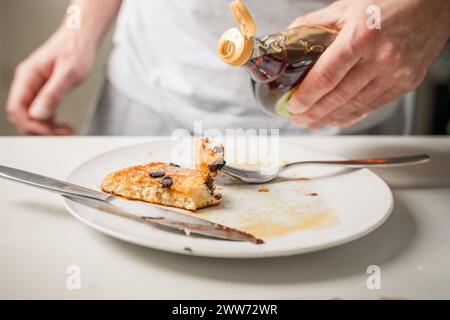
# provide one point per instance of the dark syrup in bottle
(277, 63)
(277, 72)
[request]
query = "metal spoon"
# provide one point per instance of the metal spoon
(262, 176)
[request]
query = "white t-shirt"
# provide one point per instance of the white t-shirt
(165, 58)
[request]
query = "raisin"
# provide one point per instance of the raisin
(209, 182)
(167, 182)
(157, 174)
(218, 196)
(216, 166)
(174, 165)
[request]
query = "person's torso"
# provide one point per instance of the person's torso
(165, 57)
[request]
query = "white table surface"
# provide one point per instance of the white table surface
(39, 239)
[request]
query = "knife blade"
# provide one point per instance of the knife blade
(137, 209)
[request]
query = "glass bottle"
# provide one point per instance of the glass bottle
(277, 63)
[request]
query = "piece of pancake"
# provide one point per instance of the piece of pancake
(209, 157)
(165, 184)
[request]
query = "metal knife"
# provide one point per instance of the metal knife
(133, 209)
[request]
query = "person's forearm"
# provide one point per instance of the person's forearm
(95, 18)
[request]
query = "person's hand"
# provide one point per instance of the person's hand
(42, 80)
(367, 68)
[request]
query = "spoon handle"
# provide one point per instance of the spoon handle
(368, 163)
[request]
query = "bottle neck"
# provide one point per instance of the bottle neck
(268, 58)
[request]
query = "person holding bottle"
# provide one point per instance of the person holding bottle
(164, 72)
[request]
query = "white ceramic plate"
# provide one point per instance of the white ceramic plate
(333, 207)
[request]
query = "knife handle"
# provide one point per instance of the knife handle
(50, 184)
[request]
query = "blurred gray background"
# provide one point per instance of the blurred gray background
(25, 24)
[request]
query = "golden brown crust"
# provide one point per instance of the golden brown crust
(161, 183)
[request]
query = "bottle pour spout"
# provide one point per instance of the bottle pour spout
(235, 46)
